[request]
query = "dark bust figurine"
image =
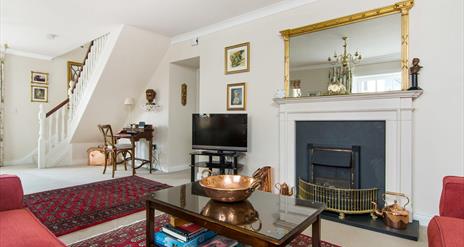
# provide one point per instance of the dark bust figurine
(414, 72)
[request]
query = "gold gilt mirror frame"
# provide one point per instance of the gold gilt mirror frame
(399, 7)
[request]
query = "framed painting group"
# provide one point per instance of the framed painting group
(39, 87)
(236, 60)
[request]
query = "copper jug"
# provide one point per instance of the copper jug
(394, 215)
(284, 189)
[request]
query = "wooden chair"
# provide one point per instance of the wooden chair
(112, 149)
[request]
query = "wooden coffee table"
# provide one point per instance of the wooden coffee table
(281, 218)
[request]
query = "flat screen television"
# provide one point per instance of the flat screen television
(221, 132)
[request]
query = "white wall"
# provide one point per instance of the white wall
(160, 82)
(21, 115)
(437, 38)
(180, 117)
(439, 119)
(127, 62)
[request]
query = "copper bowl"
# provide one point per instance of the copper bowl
(229, 188)
(240, 213)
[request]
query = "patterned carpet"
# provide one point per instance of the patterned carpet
(134, 236)
(70, 209)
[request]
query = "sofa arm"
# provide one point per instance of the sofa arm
(445, 232)
(11, 192)
(452, 197)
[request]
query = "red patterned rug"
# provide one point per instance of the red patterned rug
(134, 236)
(74, 208)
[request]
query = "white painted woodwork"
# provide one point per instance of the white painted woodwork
(83, 82)
(54, 130)
(395, 108)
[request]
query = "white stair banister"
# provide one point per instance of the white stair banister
(57, 117)
(90, 62)
(50, 132)
(41, 142)
(54, 125)
(64, 111)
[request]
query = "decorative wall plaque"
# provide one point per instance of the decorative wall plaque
(183, 93)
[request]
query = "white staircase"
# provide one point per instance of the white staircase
(118, 65)
(90, 63)
(53, 143)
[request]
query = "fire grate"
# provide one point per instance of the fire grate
(342, 201)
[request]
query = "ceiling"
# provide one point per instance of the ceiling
(378, 40)
(24, 25)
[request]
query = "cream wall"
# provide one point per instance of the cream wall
(161, 82)
(439, 120)
(180, 117)
(21, 115)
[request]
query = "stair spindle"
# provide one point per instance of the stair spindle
(57, 117)
(50, 132)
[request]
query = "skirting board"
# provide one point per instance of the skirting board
(173, 168)
(26, 160)
(423, 218)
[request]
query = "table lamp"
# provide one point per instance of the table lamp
(129, 102)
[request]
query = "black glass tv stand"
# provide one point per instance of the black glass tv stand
(226, 161)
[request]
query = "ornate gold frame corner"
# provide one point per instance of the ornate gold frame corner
(402, 8)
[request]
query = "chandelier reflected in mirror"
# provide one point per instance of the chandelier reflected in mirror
(341, 72)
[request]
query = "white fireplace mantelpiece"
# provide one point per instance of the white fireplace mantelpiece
(356, 96)
(395, 108)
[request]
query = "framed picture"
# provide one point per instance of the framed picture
(74, 69)
(237, 58)
(236, 97)
(39, 77)
(39, 94)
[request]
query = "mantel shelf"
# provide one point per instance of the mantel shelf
(357, 96)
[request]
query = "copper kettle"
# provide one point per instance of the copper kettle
(394, 215)
(284, 189)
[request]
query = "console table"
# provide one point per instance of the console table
(136, 134)
(220, 164)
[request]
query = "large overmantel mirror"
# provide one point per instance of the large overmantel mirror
(362, 53)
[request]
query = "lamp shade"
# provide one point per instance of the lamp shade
(129, 101)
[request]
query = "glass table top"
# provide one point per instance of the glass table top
(265, 213)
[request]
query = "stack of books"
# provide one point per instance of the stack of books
(190, 235)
